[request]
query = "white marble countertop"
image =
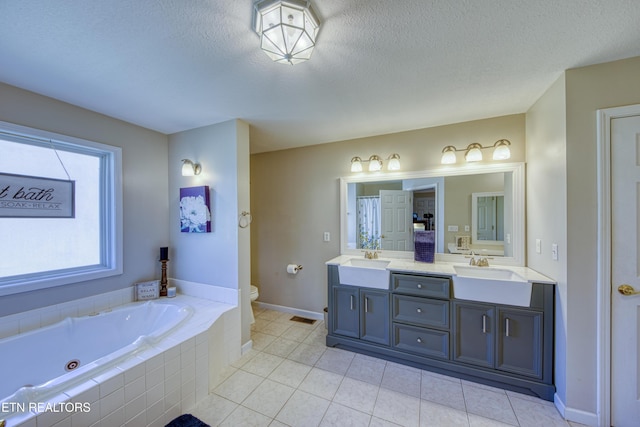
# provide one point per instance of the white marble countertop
(445, 268)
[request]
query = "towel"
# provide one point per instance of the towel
(424, 245)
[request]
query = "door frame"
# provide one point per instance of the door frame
(603, 277)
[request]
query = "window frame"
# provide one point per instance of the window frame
(111, 213)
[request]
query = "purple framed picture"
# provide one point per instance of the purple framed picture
(195, 213)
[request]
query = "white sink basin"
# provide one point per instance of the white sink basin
(487, 273)
(495, 285)
(369, 273)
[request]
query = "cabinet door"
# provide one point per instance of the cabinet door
(375, 325)
(473, 332)
(519, 342)
(345, 318)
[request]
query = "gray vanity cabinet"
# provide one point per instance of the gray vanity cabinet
(418, 321)
(474, 333)
(519, 346)
(374, 316)
(504, 338)
(345, 311)
(360, 313)
(420, 313)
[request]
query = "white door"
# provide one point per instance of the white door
(487, 218)
(625, 270)
(397, 220)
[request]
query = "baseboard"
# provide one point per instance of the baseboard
(302, 313)
(575, 415)
(246, 347)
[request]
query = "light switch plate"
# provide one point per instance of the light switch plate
(538, 246)
(452, 228)
(554, 251)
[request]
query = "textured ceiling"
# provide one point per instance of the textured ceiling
(380, 66)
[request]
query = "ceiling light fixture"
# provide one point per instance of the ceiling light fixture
(189, 168)
(473, 152)
(375, 163)
(287, 29)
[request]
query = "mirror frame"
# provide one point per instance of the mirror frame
(518, 211)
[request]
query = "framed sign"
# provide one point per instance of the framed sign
(23, 196)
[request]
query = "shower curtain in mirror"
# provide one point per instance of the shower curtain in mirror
(369, 222)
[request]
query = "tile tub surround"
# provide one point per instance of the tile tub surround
(155, 385)
(290, 378)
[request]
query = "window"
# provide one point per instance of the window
(39, 253)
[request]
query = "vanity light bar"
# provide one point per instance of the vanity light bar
(473, 154)
(375, 163)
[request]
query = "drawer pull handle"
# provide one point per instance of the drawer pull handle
(419, 340)
(506, 327)
(419, 285)
(484, 323)
(366, 304)
(419, 310)
(351, 302)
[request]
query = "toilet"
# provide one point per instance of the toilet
(254, 296)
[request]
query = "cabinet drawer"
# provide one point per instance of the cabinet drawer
(426, 342)
(421, 311)
(423, 286)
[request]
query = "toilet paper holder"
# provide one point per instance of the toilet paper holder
(293, 268)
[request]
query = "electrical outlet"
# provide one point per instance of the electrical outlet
(554, 251)
(507, 238)
(327, 236)
(538, 246)
(466, 228)
(452, 228)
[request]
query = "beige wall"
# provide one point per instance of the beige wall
(145, 196)
(588, 89)
(295, 199)
(547, 209)
(562, 208)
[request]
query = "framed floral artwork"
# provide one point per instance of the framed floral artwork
(195, 213)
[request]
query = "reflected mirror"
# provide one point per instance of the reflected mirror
(479, 209)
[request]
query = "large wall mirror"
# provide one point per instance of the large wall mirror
(470, 208)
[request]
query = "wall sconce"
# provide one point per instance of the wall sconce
(190, 169)
(375, 163)
(473, 152)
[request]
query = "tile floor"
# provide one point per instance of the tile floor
(290, 378)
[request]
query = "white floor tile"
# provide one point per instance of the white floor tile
(402, 380)
(263, 364)
(398, 408)
(245, 417)
(290, 373)
(442, 391)
(321, 383)
(338, 415)
(436, 415)
(367, 369)
(238, 386)
(357, 395)
(335, 360)
(307, 354)
(489, 404)
(268, 398)
(303, 410)
(294, 380)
